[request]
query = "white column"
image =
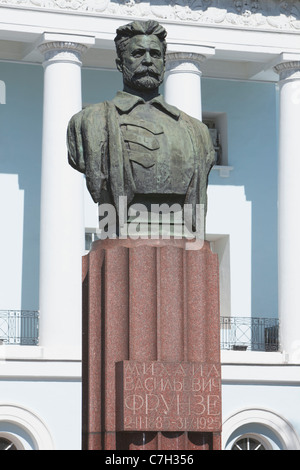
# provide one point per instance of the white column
(62, 221)
(183, 82)
(289, 209)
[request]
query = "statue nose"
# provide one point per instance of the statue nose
(147, 58)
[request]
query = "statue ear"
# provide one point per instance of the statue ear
(119, 65)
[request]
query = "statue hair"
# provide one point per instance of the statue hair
(128, 31)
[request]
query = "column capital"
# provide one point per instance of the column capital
(62, 51)
(288, 70)
(184, 62)
(63, 47)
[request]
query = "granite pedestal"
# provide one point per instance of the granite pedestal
(151, 346)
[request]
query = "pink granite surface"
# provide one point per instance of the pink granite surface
(150, 302)
(168, 396)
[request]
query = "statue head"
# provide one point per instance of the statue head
(141, 50)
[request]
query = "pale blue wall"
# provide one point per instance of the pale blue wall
(57, 402)
(251, 109)
(20, 154)
(99, 86)
(252, 149)
(283, 400)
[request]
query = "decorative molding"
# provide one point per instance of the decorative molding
(268, 418)
(62, 51)
(283, 15)
(184, 62)
(288, 70)
(29, 422)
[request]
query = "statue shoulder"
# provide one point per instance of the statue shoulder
(202, 138)
(86, 135)
(90, 114)
(198, 127)
(192, 121)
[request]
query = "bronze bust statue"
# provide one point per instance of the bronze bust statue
(137, 145)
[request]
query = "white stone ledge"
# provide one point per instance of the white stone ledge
(258, 368)
(15, 352)
(252, 357)
(224, 170)
(68, 370)
(261, 374)
(37, 353)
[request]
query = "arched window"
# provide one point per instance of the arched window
(250, 442)
(6, 444)
(21, 429)
(258, 429)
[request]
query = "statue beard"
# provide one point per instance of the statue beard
(143, 78)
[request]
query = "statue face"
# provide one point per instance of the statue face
(143, 63)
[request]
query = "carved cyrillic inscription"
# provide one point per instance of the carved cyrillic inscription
(168, 396)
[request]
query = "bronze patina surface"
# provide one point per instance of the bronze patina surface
(137, 145)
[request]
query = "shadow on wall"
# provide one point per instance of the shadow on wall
(21, 89)
(251, 109)
(20, 154)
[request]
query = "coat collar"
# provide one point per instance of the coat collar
(125, 102)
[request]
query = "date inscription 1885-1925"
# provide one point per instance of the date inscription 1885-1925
(169, 396)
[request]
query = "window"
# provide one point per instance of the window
(248, 443)
(269, 429)
(215, 137)
(217, 125)
(251, 442)
(6, 444)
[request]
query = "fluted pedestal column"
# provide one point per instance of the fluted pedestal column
(151, 346)
(288, 208)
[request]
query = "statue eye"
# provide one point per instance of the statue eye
(138, 53)
(155, 54)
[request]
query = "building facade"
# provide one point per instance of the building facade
(234, 64)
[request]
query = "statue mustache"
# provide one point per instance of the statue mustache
(152, 71)
(142, 71)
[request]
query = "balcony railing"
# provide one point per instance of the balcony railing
(19, 327)
(252, 334)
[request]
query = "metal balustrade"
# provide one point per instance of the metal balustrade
(19, 327)
(248, 333)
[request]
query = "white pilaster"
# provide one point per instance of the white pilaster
(288, 208)
(2, 92)
(62, 221)
(183, 82)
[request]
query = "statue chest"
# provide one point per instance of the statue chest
(158, 151)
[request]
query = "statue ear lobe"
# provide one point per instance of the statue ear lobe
(119, 65)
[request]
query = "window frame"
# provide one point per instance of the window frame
(257, 437)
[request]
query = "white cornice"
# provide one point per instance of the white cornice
(246, 14)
